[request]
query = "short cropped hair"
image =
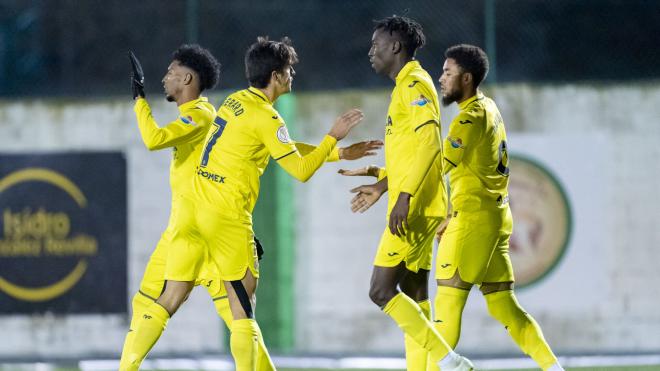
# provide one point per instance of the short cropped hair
(202, 62)
(471, 59)
(409, 31)
(266, 56)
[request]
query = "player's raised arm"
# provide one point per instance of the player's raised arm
(183, 85)
(353, 152)
(302, 167)
(184, 129)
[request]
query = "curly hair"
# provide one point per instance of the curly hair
(202, 62)
(471, 59)
(266, 56)
(409, 31)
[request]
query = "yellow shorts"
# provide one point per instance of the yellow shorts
(153, 280)
(231, 246)
(477, 245)
(415, 248)
(187, 252)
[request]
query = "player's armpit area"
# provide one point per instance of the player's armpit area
(450, 162)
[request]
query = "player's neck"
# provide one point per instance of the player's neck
(186, 96)
(270, 92)
(469, 93)
(398, 65)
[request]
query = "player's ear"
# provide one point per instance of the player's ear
(188, 78)
(274, 77)
(467, 79)
(396, 47)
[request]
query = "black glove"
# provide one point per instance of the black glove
(260, 249)
(137, 76)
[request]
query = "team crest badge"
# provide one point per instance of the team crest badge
(421, 101)
(283, 135)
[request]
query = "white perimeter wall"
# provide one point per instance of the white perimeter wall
(600, 141)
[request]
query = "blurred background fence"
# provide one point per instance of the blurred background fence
(78, 48)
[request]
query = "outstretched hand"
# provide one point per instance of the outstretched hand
(360, 149)
(344, 123)
(367, 195)
(371, 170)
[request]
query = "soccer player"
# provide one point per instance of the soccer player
(474, 247)
(246, 132)
(193, 69)
(417, 197)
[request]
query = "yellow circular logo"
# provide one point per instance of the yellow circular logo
(541, 220)
(37, 233)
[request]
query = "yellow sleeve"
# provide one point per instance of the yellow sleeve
(303, 167)
(428, 149)
(464, 133)
(305, 148)
(424, 116)
(275, 136)
(191, 126)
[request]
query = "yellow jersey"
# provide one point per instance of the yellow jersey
(476, 158)
(245, 134)
(413, 145)
(184, 135)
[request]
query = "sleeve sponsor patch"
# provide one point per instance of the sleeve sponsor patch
(455, 142)
(421, 101)
(283, 135)
(188, 120)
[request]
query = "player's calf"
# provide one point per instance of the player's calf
(176, 292)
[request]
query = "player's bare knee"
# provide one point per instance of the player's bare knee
(380, 294)
(174, 295)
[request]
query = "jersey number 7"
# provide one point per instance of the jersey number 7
(218, 127)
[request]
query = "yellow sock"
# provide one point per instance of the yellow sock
(244, 343)
(264, 363)
(138, 306)
(223, 310)
(521, 326)
(407, 314)
(449, 304)
(417, 358)
(147, 330)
